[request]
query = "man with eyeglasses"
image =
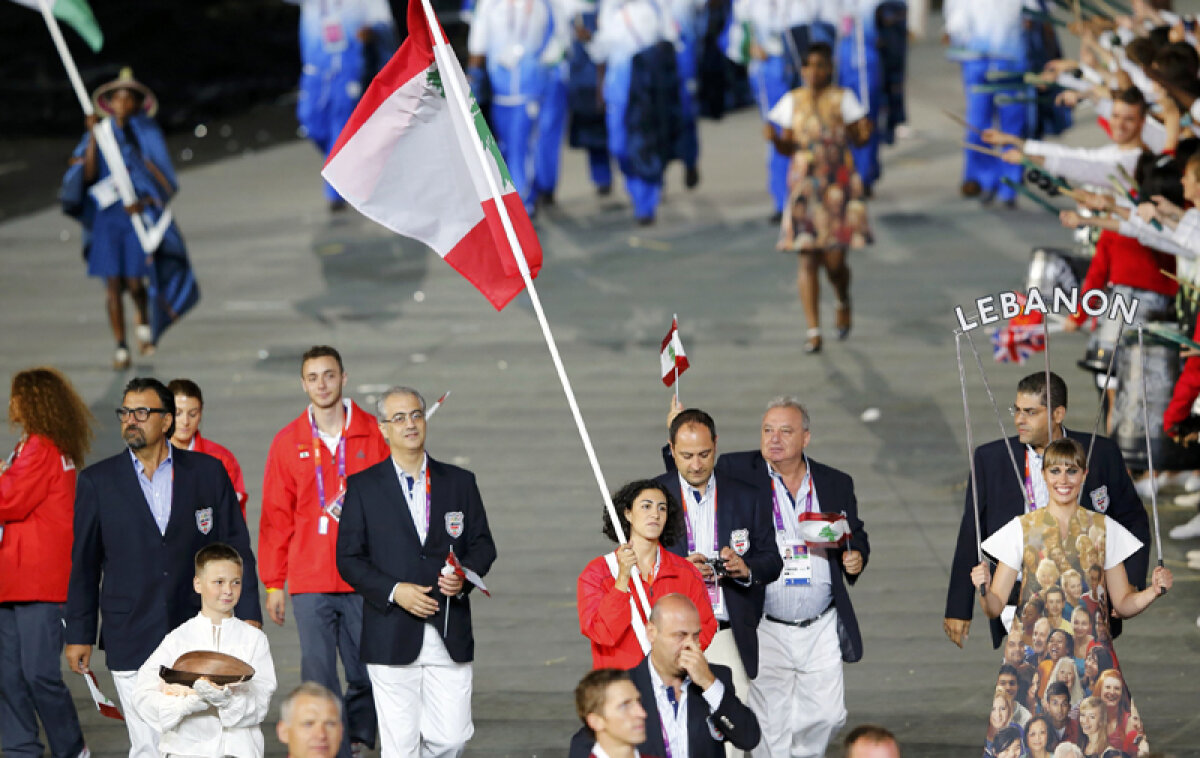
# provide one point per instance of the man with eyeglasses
(1004, 496)
(140, 518)
(303, 491)
(403, 517)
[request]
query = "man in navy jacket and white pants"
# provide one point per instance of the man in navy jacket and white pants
(419, 660)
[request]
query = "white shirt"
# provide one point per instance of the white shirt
(674, 719)
(331, 440)
(505, 31)
(797, 602)
(232, 730)
(626, 27)
(783, 112)
(415, 489)
(701, 514)
(1081, 165)
(1007, 544)
(992, 27)
(1033, 464)
(1183, 240)
(768, 20)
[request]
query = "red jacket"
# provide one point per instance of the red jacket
(290, 548)
(222, 454)
(604, 613)
(1187, 389)
(1124, 260)
(37, 508)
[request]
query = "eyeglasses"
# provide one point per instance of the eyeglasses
(400, 418)
(1026, 412)
(139, 414)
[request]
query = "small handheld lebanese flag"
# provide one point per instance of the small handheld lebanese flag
(407, 160)
(466, 573)
(672, 360)
(824, 529)
(103, 704)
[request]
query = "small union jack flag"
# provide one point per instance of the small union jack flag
(1017, 343)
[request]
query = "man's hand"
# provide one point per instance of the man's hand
(1013, 157)
(450, 585)
(78, 657)
(1166, 209)
(700, 561)
(734, 564)
(675, 410)
(1147, 212)
(956, 630)
(414, 599)
(768, 131)
(852, 561)
(1068, 98)
(276, 605)
(365, 35)
(90, 121)
(691, 660)
(1000, 139)
(756, 52)
(1070, 219)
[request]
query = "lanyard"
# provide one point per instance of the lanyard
(318, 446)
(1029, 486)
(691, 540)
(808, 500)
(428, 496)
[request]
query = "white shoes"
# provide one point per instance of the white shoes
(1187, 530)
(1192, 483)
(1145, 488)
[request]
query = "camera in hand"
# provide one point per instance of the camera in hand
(718, 566)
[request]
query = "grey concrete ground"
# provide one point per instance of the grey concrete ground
(279, 275)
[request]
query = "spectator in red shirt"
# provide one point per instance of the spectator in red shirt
(37, 499)
(650, 517)
(189, 410)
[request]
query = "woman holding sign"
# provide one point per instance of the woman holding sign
(610, 611)
(1063, 467)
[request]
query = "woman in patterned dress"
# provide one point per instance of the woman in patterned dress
(1060, 524)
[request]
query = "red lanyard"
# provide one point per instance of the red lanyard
(691, 540)
(319, 445)
(428, 495)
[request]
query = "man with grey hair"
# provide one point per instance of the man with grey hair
(310, 722)
(416, 635)
(810, 627)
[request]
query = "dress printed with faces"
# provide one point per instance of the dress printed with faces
(1093, 539)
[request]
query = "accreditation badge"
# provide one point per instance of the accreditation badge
(333, 35)
(797, 567)
(204, 520)
(1100, 499)
(454, 523)
(716, 596)
(739, 540)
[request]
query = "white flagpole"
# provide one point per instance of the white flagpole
(675, 328)
(67, 60)
(459, 100)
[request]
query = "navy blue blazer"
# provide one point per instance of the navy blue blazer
(1107, 489)
(732, 722)
(835, 494)
(741, 508)
(378, 546)
(135, 579)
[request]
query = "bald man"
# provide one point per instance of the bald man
(310, 722)
(691, 708)
(870, 741)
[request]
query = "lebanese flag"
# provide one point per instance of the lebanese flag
(103, 704)
(824, 529)
(455, 566)
(407, 160)
(672, 360)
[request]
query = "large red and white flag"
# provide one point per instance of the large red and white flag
(407, 160)
(672, 360)
(103, 704)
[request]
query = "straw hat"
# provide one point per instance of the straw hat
(218, 668)
(125, 80)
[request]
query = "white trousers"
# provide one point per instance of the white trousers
(143, 738)
(798, 694)
(424, 708)
(723, 650)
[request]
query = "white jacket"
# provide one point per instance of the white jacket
(212, 733)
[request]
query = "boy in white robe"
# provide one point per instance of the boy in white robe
(206, 720)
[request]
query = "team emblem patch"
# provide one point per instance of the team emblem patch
(454, 523)
(739, 540)
(1100, 499)
(204, 520)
